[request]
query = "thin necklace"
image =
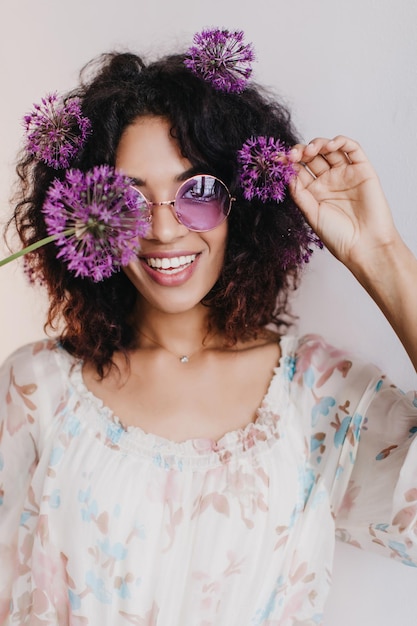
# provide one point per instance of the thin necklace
(183, 358)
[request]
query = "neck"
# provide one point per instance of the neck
(180, 333)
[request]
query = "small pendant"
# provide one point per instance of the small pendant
(184, 359)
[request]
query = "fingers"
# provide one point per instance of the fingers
(321, 154)
(311, 166)
(344, 145)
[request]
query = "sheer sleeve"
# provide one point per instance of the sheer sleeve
(21, 432)
(363, 445)
(379, 507)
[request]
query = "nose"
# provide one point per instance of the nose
(164, 226)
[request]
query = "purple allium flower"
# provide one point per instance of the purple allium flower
(265, 170)
(302, 239)
(56, 131)
(221, 58)
(96, 219)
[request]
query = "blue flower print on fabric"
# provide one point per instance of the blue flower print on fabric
(56, 456)
(70, 429)
(114, 432)
(290, 363)
(55, 499)
(116, 552)
(385, 452)
(317, 441)
(72, 426)
(357, 421)
(24, 517)
(309, 378)
(383, 527)
(122, 589)
(263, 614)
(400, 549)
(318, 444)
(307, 479)
(169, 462)
(90, 512)
(122, 584)
(322, 408)
(74, 600)
(98, 588)
(306, 482)
(341, 432)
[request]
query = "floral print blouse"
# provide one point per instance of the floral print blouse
(101, 525)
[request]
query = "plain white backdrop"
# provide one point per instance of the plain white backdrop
(343, 67)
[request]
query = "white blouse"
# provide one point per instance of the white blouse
(101, 525)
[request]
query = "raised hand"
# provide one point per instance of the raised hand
(340, 195)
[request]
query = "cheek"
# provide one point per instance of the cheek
(217, 240)
(133, 271)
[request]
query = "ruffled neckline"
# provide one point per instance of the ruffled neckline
(252, 438)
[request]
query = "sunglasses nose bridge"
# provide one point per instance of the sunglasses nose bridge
(161, 221)
(165, 202)
(170, 203)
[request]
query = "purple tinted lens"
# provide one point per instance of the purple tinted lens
(143, 205)
(202, 203)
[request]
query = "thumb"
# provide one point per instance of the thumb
(304, 199)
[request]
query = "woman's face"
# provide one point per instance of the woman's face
(176, 267)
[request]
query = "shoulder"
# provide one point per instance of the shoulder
(33, 387)
(322, 369)
(38, 371)
(34, 358)
(314, 352)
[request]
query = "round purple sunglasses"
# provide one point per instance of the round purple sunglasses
(201, 203)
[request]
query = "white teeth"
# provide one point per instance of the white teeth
(171, 263)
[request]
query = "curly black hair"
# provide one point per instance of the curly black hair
(95, 319)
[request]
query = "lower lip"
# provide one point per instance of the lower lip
(171, 280)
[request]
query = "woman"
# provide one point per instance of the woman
(174, 459)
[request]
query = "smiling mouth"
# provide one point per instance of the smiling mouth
(172, 265)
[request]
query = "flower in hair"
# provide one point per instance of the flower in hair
(265, 170)
(56, 131)
(221, 58)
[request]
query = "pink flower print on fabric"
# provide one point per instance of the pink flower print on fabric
(16, 417)
(50, 578)
(328, 362)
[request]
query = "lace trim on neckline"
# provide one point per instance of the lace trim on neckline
(262, 433)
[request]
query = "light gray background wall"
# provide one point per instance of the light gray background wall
(343, 67)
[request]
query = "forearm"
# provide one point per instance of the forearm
(390, 278)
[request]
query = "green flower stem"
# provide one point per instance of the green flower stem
(37, 244)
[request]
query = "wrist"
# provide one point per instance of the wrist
(385, 266)
(390, 278)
